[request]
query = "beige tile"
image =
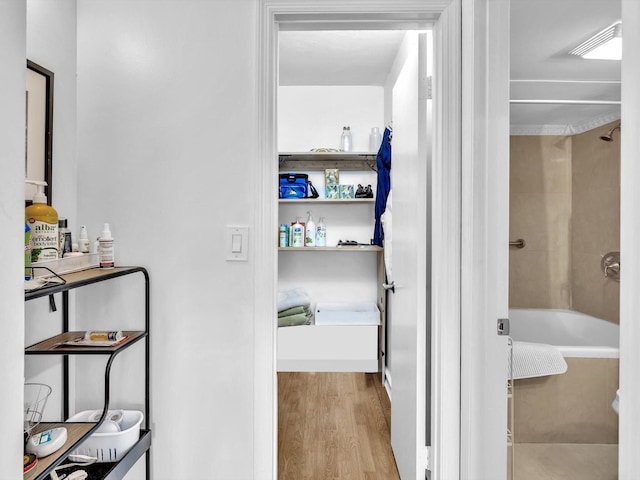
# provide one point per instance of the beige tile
(565, 462)
(591, 291)
(613, 373)
(540, 164)
(568, 408)
(537, 281)
(596, 220)
(596, 164)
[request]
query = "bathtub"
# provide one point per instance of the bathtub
(573, 407)
(575, 334)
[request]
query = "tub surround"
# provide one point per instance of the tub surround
(574, 407)
(565, 203)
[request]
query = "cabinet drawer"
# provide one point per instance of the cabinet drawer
(328, 348)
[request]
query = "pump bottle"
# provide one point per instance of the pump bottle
(105, 248)
(83, 240)
(297, 234)
(43, 222)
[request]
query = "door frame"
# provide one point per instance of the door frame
(629, 418)
(467, 421)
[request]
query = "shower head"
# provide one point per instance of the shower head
(608, 137)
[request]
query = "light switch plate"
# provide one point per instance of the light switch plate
(237, 243)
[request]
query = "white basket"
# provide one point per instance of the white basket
(109, 447)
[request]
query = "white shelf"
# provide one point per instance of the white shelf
(322, 160)
(364, 248)
(326, 200)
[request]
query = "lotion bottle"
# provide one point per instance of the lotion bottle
(321, 233)
(105, 248)
(310, 237)
(297, 234)
(43, 222)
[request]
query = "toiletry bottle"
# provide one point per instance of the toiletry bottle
(83, 240)
(375, 139)
(321, 233)
(297, 235)
(346, 144)
(27, 252)
(64, 238)
(43, 222)
(310, 236)
(105, 248)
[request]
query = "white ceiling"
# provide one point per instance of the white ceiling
(542, 32)
(345, 57)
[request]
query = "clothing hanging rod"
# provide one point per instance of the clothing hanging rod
(564, 102)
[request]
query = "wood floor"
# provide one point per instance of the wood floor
(333, 426)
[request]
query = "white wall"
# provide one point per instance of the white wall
(12, 120)
(166, 156)
(313, 116)
(51, 43)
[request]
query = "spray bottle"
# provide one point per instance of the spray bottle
(310, 237)
(43, 222)
(105, 248)
(321, 233)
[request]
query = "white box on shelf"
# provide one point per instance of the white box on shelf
(64, 265)
(347, 313)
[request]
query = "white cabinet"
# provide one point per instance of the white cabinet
(332, 273)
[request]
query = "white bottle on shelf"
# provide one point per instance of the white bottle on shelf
(321, 233)
(105, 248)
(310, 237)
(297, 234)
(346, 142)
(375, 139)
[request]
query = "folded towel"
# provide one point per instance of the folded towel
(293, 311)
(295, 297)
(292, 320)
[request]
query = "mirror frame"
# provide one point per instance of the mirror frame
(48, 129)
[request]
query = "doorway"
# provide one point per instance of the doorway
(462, 441)
(310, 104)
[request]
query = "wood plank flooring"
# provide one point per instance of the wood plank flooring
(333, 426)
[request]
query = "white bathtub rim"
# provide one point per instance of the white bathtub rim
(521, 319)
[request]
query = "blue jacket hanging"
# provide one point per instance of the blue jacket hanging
(383, 163)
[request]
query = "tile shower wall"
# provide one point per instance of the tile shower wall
(540, 213)
(596, 222)
(565, 203)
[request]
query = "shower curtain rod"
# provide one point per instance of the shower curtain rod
(565, 102)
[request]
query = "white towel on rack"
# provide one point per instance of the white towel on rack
(535, 360)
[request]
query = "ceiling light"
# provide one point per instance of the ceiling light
(605, 45)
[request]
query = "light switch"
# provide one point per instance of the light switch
(236, 243)
(237, 240)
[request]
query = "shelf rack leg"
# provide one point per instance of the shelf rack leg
(65, 358)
